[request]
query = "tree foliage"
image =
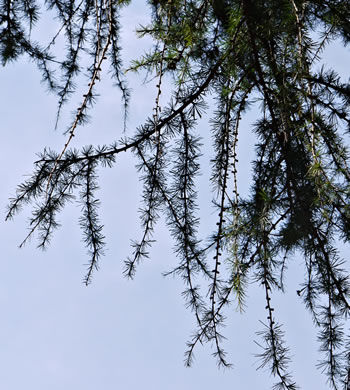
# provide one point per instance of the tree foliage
(239, 52)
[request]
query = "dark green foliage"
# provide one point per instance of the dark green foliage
(240, 52)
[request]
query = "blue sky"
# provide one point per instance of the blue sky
(58, 334)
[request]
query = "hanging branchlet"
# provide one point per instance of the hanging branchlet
(89, 220)
(331, 338)
(153, 177)
(238, 53)
(275, 354)
(223, 148)
(183, 195)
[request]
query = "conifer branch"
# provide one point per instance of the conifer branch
(240, 53)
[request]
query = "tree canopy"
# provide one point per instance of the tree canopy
(238, 52)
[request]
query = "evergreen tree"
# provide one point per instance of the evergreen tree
(239, 51)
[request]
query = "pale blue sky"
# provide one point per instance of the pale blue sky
(55, 333)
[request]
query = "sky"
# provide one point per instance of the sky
(56, 333)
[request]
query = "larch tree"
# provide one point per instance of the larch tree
(239, 52)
